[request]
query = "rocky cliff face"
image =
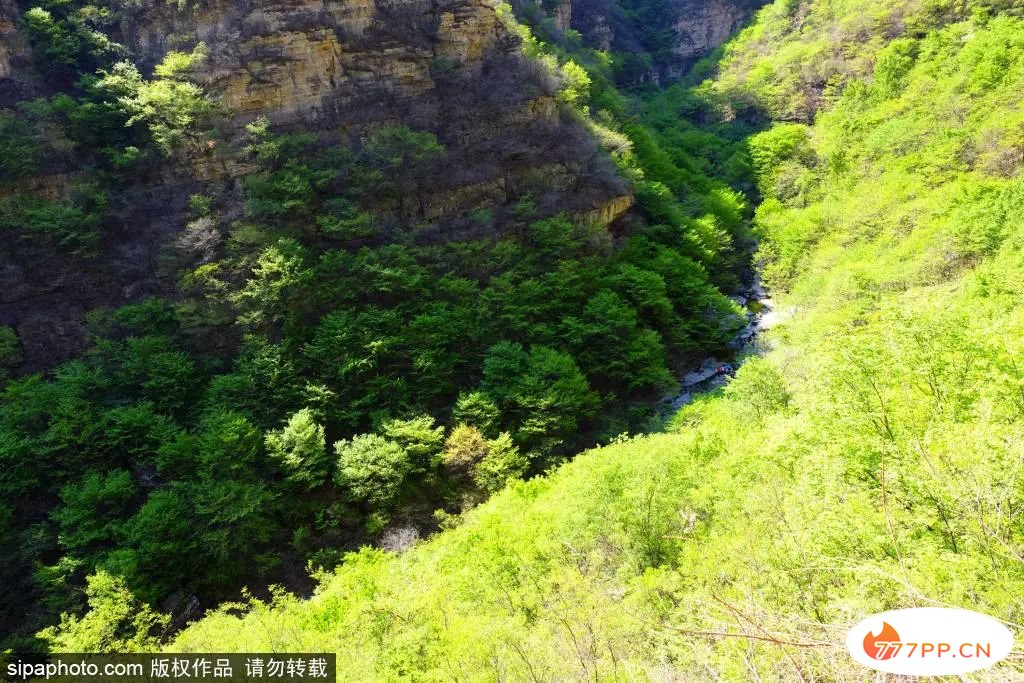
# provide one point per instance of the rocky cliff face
(673, 34)
(448, 66)
(333, 67)
(14, 60)
(318, 62)
(703, 25)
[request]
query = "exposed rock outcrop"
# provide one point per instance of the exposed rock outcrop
(16, 78)
(338, 68)
(703, 25)
(697, 27)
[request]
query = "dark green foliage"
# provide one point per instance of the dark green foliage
(542, 390)
(90, 509)
(74, 225)
(131, 433)
(479, 410)
(158, 545)
(149, 316)
(187, 450)
(19, 147)
(228, 444)
(63, 41)
(553, 238)
(139, 495)
(612, 348)
(265, 383)
(10, 351)
(345, 221)
(203, 534)
(285, 191)
(233, 521)
(165, 376)
(404, 161)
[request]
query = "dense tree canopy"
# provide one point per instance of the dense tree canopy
(870, 460)
(336, 361)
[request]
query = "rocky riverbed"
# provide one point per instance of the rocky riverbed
(713, 372)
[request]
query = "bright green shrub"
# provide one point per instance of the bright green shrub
(116, 621)
(371, 469)
(300, 450)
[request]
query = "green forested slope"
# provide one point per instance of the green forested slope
(870, 460)
(335, 363)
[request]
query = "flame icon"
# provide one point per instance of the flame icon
(877, 647)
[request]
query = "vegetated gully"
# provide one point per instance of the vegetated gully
(712, 372)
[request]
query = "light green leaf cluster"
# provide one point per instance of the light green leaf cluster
(168, 105)
(115, 622)
(300, 449)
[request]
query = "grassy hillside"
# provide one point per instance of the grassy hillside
(870, 460)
